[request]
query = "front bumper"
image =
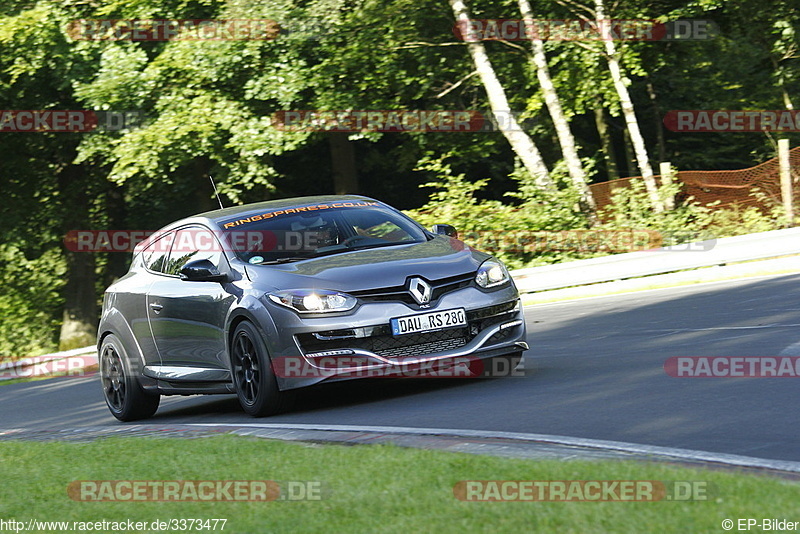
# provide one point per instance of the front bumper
(361, 344)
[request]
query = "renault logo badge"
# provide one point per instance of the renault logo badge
(420, 290)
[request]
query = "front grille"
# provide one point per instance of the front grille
(400, 293)
(389, 346)
(501, 335)
(379, 339)
(419, 344)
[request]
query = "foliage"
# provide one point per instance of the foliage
(735, 220)
(454, 202)
(630, 210)
(517, 233)
(688, 221)
(545, 228)
(28, 296)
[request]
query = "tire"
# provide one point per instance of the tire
(122, 391)
(253, 377)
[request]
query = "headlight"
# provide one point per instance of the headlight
(314, 300)
(492, 273)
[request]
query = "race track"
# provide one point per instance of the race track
(595, 370)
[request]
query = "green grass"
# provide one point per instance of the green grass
(24, 379)
(366, 488)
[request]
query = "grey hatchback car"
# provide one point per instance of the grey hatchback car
(262, 299)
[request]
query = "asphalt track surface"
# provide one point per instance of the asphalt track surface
(595, 370)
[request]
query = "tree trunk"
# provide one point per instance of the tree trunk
(628, 112)
(630, 159)
(787, 101)
(343, 163)
(659, 123)
(565, 137)
(520, 142)
(606, 144)
(117, 262)
(79, 318)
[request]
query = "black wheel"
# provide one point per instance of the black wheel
(121, 389)
(253, 378)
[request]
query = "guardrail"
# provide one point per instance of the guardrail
(658, 261)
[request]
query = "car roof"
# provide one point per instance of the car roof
(225, 213)
(214, 217)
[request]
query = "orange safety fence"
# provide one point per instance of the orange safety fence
(729, 187)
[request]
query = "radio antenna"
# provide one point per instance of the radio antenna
(215, 192)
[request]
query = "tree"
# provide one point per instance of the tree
(41, 66)
(522, 144)
(565, 137)
(631, 123)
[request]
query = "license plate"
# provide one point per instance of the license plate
(426, 322)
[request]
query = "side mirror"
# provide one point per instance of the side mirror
(201, 271)
(445, 229)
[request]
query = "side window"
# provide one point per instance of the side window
(194, 243)
(155, 255)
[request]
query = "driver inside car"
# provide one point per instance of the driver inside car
(316, 231)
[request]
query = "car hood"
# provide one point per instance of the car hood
(440, 257)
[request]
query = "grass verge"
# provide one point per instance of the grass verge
(365, 488)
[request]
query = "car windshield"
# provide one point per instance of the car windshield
(294, 234)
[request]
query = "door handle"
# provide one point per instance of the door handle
(156, 307)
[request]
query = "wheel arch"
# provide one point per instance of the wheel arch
(254, 312)
(113, 322)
